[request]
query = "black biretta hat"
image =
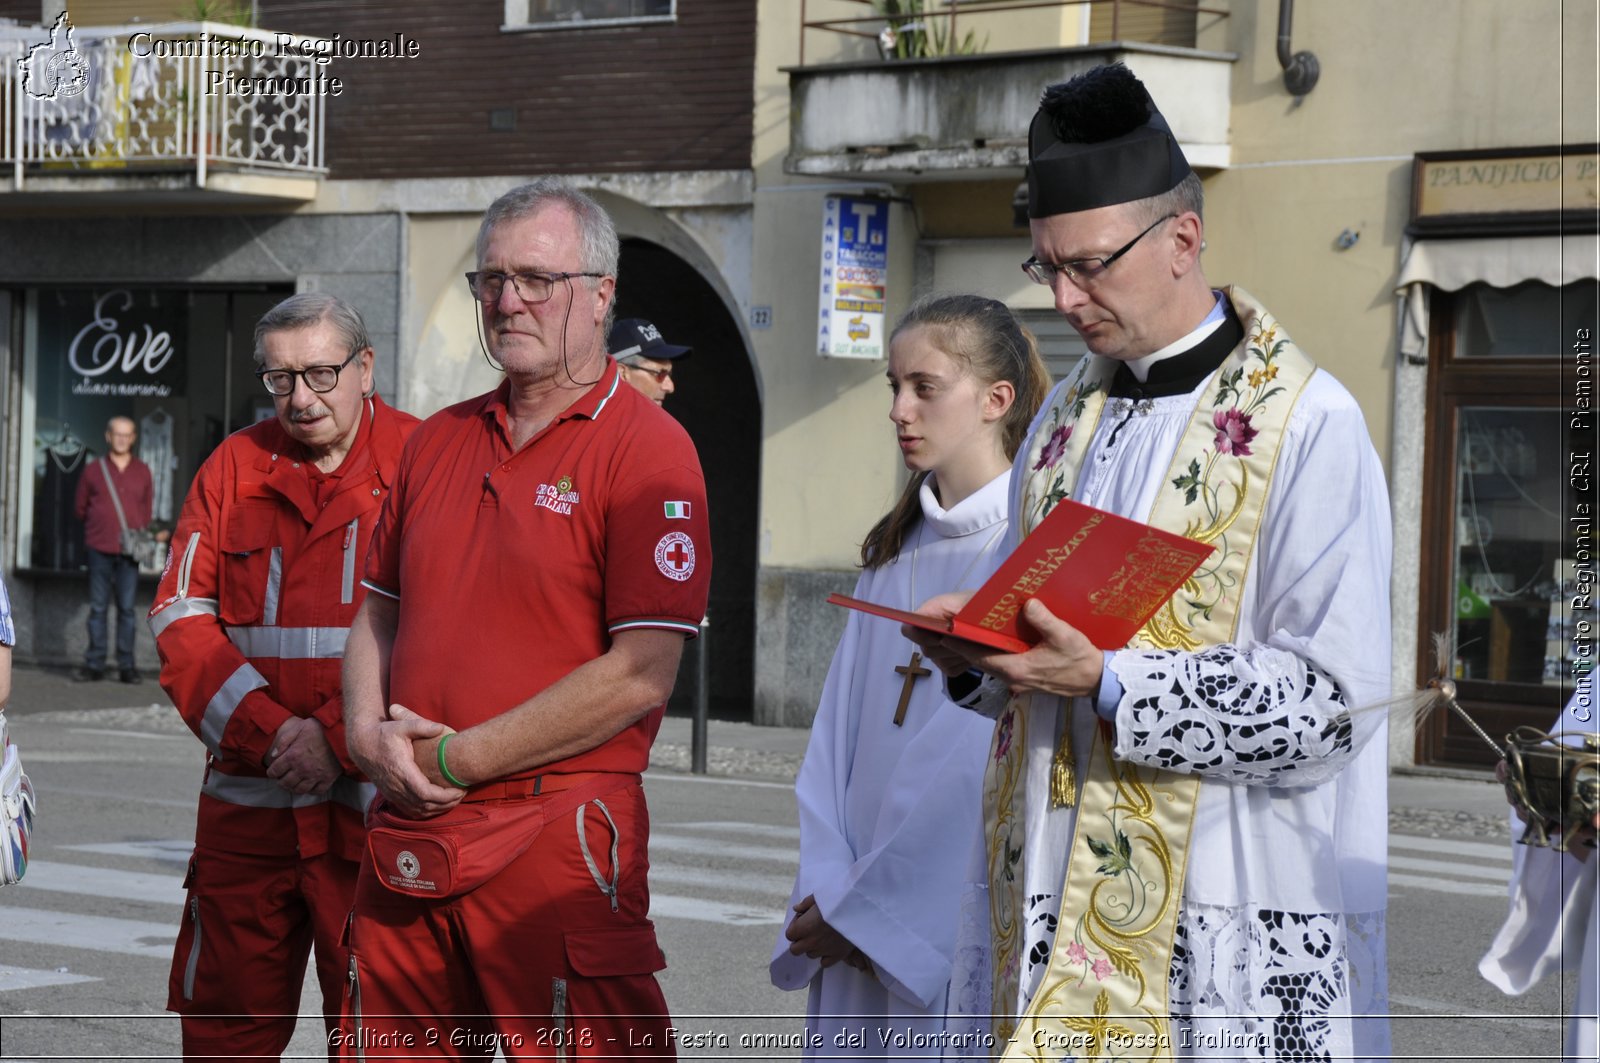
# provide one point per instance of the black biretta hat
(1098, 140)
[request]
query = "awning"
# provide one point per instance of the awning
(1501, 263)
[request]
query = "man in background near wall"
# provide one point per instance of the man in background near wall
(110, 570)
(645, 357)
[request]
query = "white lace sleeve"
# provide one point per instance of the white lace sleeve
(1261, 715)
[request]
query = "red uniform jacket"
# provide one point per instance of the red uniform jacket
(251, 618)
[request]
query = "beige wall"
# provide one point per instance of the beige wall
(829, 464)
(1397, 78)
(1290, 176)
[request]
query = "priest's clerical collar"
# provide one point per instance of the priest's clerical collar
(1140, 367)
(1178, 368)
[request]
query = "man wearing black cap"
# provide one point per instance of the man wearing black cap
(1186, 837)
(645, 357)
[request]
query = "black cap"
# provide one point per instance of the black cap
(636, 337)
(1098, 140)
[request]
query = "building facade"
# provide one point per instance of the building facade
(1420, 215)
(151, 216)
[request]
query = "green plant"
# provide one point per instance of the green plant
(910, 32)
(233, 12)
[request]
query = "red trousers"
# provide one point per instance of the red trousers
(240, 962)
(554, 957)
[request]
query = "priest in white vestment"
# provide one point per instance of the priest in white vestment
(890, 792)
(1230, 904)
(1554, 923)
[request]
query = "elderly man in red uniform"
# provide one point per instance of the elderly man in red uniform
(250, 621)
(540, 563)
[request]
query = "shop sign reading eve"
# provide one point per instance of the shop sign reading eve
(117, 353)
(855, 277)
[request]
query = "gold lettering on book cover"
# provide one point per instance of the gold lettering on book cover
(1139, 586)
(1036, 576)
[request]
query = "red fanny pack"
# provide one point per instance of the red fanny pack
(459, 850)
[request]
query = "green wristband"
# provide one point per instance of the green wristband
(445, 771)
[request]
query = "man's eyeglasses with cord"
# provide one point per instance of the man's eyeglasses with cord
(488, 285)
(1083, 270)
(319, 378)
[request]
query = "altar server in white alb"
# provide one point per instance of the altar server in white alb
(890, 790)
(1186, 836)
(1554, 925)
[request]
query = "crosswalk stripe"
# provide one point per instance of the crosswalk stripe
(1444, 885)
(743, 881)
(54, 756)
(1443, 867)
(103, 882)
(703, 847)
(765, 830)
(29, 978)
(1478, 850)
(1449, 1009)
(172, 850)
(132, 734)
(665, 906)
(711, 780)
(129, 937)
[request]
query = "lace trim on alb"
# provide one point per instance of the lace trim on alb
(1266, 716)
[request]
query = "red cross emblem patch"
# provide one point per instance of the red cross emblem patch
(675, 556)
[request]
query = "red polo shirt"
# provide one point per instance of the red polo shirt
(514, 568)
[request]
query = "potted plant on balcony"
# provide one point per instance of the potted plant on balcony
(910, 32)
(241, 13)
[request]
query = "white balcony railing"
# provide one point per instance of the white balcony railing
(193, 96)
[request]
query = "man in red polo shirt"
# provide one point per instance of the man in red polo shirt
(538, 566)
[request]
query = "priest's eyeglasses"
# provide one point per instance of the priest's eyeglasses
(1082, 270)
(487, 285)
(319, 378)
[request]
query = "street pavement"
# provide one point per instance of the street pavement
(85, 942)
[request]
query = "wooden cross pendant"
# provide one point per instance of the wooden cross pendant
(913, 671)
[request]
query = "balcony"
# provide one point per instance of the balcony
(963, 115)
(183, 113)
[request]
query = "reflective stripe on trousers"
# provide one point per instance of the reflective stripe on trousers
(255, 792)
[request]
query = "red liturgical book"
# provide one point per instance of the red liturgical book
(1103, 574)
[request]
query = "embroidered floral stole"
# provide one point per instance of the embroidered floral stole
(1105, 991)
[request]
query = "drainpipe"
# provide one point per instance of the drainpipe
(1300, 70)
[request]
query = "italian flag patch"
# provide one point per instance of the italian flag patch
(676, 510)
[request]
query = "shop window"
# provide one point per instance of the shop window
(1498, 569)
(178, 362)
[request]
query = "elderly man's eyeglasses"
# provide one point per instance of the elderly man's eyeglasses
(487, 285)
(319, 378)
(1082, 270)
